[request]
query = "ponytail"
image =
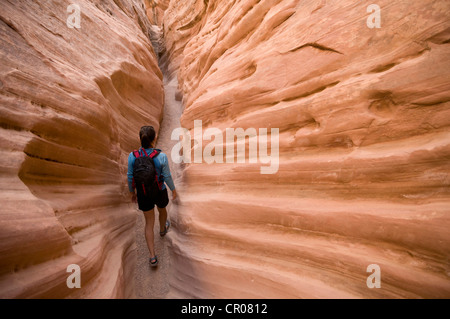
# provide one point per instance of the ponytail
(147, 136)
(145, 141)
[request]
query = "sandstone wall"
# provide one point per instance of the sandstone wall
(72, 101)
(364, 146)
(155, 10)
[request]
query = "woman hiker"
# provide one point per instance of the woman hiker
(148, 170)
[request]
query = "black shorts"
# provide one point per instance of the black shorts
(147, 203)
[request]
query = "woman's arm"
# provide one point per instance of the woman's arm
(131, 159)
(165, 171)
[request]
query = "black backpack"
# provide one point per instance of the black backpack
(144, 173)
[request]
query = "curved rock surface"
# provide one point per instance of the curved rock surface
(364, 146)
(155, 10)
(72, 101)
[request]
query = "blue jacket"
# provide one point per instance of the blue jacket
(161, 165)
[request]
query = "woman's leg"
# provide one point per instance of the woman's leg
(163, 201)
(162, 218)
(149, 233)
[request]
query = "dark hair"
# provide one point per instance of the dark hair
(147, 136)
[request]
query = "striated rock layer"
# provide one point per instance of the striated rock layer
(155, 11)
(72, 101)
(364, 148)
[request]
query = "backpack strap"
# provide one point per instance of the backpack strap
(143, 149)
(136, 153)
(154, 153)
(159, 177)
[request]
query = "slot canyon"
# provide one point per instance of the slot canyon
(363, 151)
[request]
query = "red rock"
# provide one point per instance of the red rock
(72, 102)
(364, 145)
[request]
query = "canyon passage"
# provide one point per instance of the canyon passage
(359, 93)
